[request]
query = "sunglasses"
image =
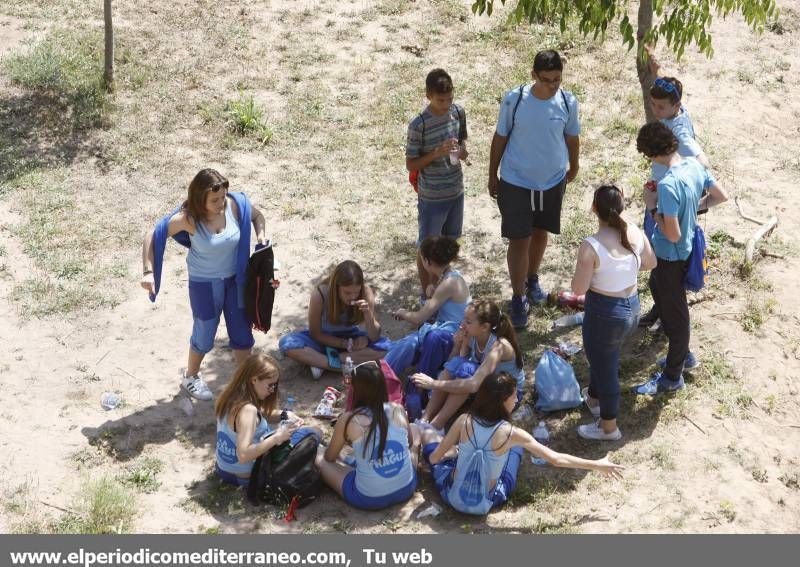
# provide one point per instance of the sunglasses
(219, 185)
(367, 363)
(665, 86)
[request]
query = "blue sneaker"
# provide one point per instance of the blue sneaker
(689, 363)
(519, 311)
(659, 384)
(535, 293)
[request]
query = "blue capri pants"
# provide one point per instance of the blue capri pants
(210, 298)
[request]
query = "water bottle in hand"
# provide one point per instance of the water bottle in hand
(286, 421)
(455, 153)
(542, 435)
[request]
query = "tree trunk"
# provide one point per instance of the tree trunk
(646, 77)
(108, 71)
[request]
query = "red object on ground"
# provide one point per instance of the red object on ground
(566, 299)
(290, 511)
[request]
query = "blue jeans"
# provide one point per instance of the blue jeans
(606, 323)
(210, 298)
(440, 218)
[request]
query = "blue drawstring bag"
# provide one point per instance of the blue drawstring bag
(697, 263)
(556, 386)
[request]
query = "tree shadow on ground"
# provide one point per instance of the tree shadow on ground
(42, 130)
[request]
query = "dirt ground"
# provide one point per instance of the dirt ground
(338, 81)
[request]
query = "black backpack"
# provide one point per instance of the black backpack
(295, 475)
(259, 295)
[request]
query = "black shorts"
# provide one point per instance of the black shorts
(522, 210)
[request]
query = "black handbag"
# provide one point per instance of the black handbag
(295, 475)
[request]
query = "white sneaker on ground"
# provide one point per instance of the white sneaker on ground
(316, 373)
(594, 410)
(595, 432)
(196, 388)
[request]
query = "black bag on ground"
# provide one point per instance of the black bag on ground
(259, 295)
(295, 475)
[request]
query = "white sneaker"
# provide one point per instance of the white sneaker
(316, 373)
(595, 432)
(196, 388)
(594, 410)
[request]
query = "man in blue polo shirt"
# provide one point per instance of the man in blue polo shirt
(535, 147)
(674, 206)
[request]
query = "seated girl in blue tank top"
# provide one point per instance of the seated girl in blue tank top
(475, 466)
(485, 343)
(341, 316)
(244, 411)
(429, 346)
(385, 468)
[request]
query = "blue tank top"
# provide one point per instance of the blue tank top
(459, 495)
(376, 477)
(226, 446)
(452, 311)
(340, 326)
(507, 366)
(214, 255)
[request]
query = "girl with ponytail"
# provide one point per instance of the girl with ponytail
(606, 271)
(485, 343)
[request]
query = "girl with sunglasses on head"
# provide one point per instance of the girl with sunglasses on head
(215, 225)
(475, 465)
(666, 100)
(341, 320)
(384, 446)
(246, 411)
(607, 271)
(485, 343)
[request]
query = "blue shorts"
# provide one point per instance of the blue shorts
(440, 218)
(209, 299)
(302, 339)
(353, 497)
(461, 368)
(444, 473)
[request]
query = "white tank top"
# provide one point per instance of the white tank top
(614, 274)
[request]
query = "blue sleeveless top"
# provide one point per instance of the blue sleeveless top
(226, 446)
(507, 366)
(340, 326)
(452, 311)
(376, 477)
(214, 255)
(479, 441)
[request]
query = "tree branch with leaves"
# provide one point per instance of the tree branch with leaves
(679, 23)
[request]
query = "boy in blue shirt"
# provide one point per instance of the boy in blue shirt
(435, 146)
(665, 100)
(674, 207)
(535, 164)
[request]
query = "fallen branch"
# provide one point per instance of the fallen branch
(699, 297)
(690, 420)
(771, 255)
(764, 230)
(744, 216)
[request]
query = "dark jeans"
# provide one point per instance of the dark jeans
(669, 298)
(606, 322)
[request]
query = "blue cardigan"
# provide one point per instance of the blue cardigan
(242, 252)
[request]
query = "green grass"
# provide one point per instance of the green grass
(246, 118)
(68, 65)
(103, 507)
(143, 475)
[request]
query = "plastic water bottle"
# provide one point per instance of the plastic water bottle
(289, 406)
(454, 155)
(542, 435)
(347, 369)
(110, 400)
(570, 320)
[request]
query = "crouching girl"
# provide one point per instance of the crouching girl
(475, 466)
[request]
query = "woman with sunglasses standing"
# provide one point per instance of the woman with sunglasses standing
(244, 412)
(384, 445)
(215, 226)
(606, 271)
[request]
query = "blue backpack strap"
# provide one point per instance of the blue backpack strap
(566, 104)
